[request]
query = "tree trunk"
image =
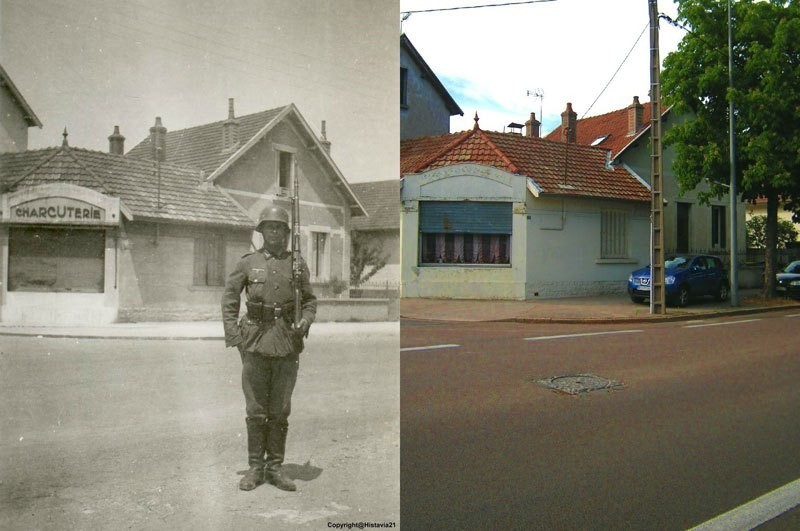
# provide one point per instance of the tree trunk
(771, 244)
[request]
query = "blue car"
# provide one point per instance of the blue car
(686, 276)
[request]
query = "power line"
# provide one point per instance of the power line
(457, 8)
(617, 71)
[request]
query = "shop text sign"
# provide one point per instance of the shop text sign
(57, 210)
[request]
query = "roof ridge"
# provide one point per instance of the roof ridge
(457, 141)
(208, 124)
(513, 167)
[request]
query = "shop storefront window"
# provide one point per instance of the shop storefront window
(60, 260)
(460, 232)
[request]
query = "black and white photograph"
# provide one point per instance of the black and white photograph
(199, 283)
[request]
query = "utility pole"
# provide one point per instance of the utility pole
(657, 287)
(733, 192)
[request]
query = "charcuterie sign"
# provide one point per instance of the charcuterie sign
(57, 210)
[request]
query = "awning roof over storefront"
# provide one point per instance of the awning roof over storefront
(147, 191)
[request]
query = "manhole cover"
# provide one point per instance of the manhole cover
(574, 384)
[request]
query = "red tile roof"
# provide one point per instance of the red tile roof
(135, 182)
(555, 167)
(613, 126)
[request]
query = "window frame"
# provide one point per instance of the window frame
(320, 268)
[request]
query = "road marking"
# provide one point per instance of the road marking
(569, 336)
(758, 511)
(793, 315)
(722, 324)
(430, 347)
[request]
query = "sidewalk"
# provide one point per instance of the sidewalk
(596, 309)
(204, 330)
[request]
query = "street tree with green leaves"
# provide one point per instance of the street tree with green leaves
(766, 99)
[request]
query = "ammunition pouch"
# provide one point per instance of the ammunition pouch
(266, 313)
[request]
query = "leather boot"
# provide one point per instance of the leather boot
(256, 446)
(276, 448)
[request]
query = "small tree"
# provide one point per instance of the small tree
(757, 233)
(367, 259)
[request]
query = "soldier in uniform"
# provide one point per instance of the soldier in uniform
(269, 343)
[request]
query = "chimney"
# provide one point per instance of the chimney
(569, 119)
(116, 142)
(158, 141)
(230, 129)
(635, 116)
(323, 139)
(532, 127)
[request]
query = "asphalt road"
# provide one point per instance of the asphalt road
(150, 434)
(704, 420)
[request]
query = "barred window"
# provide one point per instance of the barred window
(613, 234)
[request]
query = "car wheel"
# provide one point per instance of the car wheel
(722, 292)
(683, 296)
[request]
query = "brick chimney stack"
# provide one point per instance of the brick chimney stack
(158, 141)
(323, 139)
(230, 129)
(635, 116)
(532, 126)
(116, 142)
(569, 120)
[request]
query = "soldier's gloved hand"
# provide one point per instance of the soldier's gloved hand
(301, 328)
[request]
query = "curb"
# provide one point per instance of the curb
(613, 320)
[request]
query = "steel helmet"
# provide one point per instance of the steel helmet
(273, 213)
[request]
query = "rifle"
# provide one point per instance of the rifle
(297, 271)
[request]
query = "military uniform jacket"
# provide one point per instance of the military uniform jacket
(265, 278)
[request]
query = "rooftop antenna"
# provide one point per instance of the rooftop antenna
(538, 93)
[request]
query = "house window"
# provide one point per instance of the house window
(404, 87)
(320, 257)
(473, 233)
(718, 227)
(285, 169)
(613, 234)
(56, 260)
(209, 261)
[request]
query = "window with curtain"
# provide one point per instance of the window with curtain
(460, 232)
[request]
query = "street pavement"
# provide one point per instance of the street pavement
(596, 309)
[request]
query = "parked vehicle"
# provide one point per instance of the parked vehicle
(788, 281)
(686, 276)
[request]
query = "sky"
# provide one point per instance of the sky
(494, 60)
(89, 65)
